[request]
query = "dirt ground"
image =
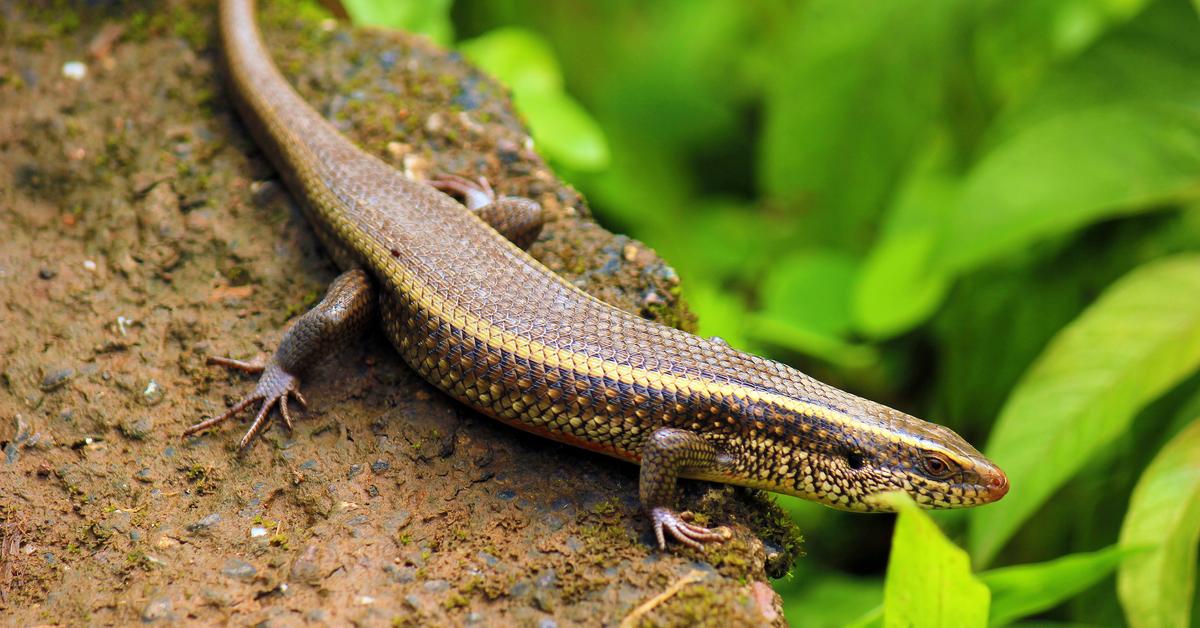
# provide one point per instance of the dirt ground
(141, 232)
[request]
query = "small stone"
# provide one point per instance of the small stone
(308, 465)
(388, 58)
(216, 597)
(152, 394)
(143, 475)
(396, 521)
(546, 622)
(239, 569)
(76, 71)
(205, 524)
(414, 558)
(401, 575)
(306, 567)
(547, 580)
(506, 494)
(436, 586)
(357, 521)
(488, 559)
(137, 430)
(156, 609)
(47, 274)
(543, 601)
(317, 615)
(57, 379)
(520, 589)
(355, 471)
(379, 466)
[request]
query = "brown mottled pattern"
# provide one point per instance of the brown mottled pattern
(485, 322)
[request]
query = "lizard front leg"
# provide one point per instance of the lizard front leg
(667, 454)
(338, 318)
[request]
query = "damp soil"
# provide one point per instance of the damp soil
(141, 231)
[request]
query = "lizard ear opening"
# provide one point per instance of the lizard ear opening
(853, 458)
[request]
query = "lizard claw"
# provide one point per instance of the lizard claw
(275, 386)
(681, 530)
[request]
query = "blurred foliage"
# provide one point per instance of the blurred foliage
(983, 212)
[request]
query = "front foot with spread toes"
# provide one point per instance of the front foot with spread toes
(681, 529)
(274, 387)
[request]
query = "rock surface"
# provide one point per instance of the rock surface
(143, 232)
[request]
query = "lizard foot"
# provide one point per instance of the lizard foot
(274, 386)
(681, 530)
(475, 194)
(518, 219)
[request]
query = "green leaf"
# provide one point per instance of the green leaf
(720, 313)
(821, 599)
(564, 130)
(1151, 60)
(519, 58)
(427, 17)
(1023, 590)
(524, 61)
(1156, 588)
(864, 82)
(1018, 42)
(1137, 341)
(812, 290)
(780, 332)
(1069, 171)
(898, 288)
(929, 580)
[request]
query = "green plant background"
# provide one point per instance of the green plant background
(984, 212)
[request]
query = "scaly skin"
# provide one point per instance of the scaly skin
(486, 323)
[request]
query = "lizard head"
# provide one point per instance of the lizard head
(844, 456)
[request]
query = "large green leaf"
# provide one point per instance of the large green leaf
(524, 61)
(1022, 590)
(929, 580)
(897, 286)
(1072, 170)
(1156, 588)
(863, 82)
(811, 288)
(1018, 42)
(1140, 338)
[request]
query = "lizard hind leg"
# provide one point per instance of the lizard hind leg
(518, 219)
(330, 324)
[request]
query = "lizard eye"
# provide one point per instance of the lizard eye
(938, 466)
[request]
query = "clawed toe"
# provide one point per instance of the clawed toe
(681, 530)
(275, 386)
(239, 365)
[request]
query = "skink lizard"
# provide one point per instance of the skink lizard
(479, 318)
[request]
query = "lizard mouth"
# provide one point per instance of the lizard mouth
(997, 486)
